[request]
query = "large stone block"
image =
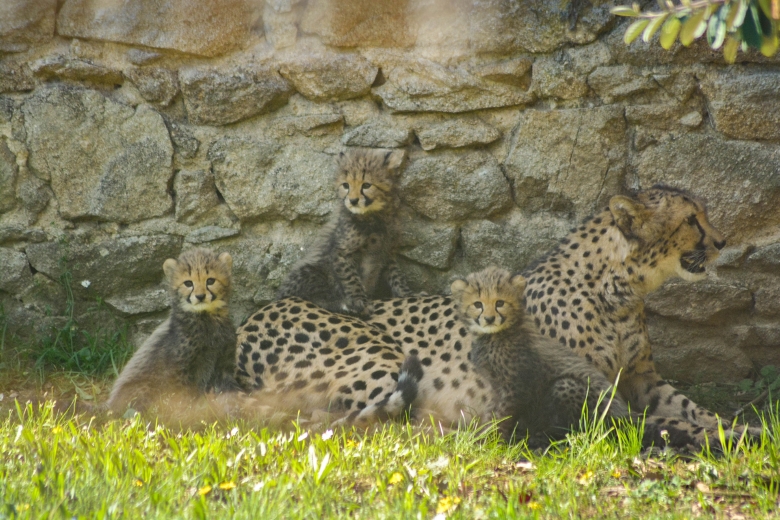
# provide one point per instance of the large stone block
(539, 26)
(708, 301)
(567, 160)
(455, 133)
(220, 97)
(745, 104)
(24, 22)
(15, 76)
(76, 70)
(156, 84)
(108, 268)
(196, 194)
(558, 78)
(8, 171)
(104, 159)
(15, 273)
(511, 242)
(455, 185)
(364, 23)
(740, 180)
(696, 353)
(267, 179)
(765, 258)
(423, 85)
(378, 134)
(198, 27)
(428, 243)
(329, 76)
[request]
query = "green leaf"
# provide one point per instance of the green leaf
(736, 16)
(634, 30)
(716, 28)
(751, 29)
(653, 26)
(745, 385)
(769, 372)
(669, 33)
(624, 10)
(693, 27)
(770, 45)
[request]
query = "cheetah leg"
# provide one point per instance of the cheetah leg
(397, 281)
(356, 301)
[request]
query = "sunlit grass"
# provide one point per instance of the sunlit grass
(77, 467)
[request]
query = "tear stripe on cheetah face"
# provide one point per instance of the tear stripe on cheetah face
(297, 357)
(366, 179)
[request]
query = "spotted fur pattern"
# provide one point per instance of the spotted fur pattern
(538, 385)
(297, 357)
(342, 271)
(193, 351)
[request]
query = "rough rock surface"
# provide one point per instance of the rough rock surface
(739, 179)
(15, 271)
(104, 159)
(267, 179)
(455, 133)
(455, 186)
(193, 26)
(745, 104)
(221, 97)
(424, 86)
(112, 267)
(568, 159)
(351, 23)
(329, 77)
(156, 85)
(23, 22)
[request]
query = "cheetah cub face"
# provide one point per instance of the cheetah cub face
(491, 300)
(366, 181)
(200, 280)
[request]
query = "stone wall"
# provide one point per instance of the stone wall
(130, 130)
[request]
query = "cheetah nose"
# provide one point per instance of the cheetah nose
(354, 202)
(721, 244)
(490, 319)
(200, 297)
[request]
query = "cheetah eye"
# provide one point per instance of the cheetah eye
(188, 283)
(499, 304)
(478, 305)
(210, 281)
(366, 185)
(692, 220)
(345, 186)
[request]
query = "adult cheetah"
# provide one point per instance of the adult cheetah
(588, 292)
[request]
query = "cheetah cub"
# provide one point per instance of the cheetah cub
(537, 383)
(193, 351)
(355, 251)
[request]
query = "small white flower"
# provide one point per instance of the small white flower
(85, 283)
(325, 436)
(303, 436)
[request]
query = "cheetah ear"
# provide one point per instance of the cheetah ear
(169, 267)
(457, 287)
(341, 159)
(394, 159)
(226, 259)
(628, 214)
(519, 282)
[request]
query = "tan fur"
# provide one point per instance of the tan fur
(190, 353)
(297, 358)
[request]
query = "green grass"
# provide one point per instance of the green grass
(60, 467)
